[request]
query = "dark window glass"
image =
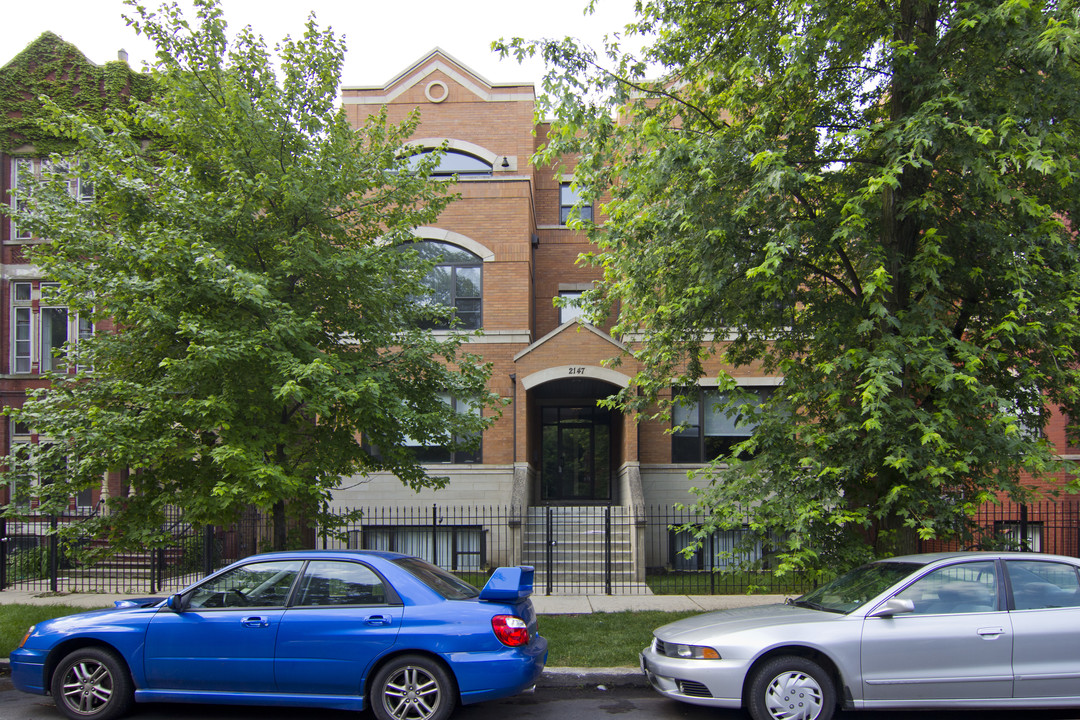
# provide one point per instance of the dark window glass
(568, 199)
(449, 586)
(329, 582)
(705, 431)
(455, 162)
(261, 584)
(455, 282)
(442, 452)
(1039, 584)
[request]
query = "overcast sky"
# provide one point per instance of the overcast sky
(384, 36)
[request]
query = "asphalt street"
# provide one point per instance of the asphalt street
(561, 700)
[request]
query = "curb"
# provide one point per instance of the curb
(600, 678)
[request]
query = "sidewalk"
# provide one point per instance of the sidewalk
(544, 604)
(558, 677)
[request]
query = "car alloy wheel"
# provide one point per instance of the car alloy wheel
(412, 687)
(92, 684)
(791, 688)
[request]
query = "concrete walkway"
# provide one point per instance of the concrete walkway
(544, 604)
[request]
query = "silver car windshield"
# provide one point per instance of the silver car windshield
(852, 589)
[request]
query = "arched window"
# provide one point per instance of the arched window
(455, 162)
(455, 282)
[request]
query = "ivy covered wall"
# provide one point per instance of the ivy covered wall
(50, 66)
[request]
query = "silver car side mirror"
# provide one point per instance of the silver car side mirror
(893, 606)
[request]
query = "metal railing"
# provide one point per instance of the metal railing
(580, 550)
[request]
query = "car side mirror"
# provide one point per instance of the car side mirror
(893, 606)
(175, 603)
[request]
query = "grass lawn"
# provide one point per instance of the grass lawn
(602, 639)
(15, 620)
(594, 640)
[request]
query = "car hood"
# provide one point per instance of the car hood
(724, 622)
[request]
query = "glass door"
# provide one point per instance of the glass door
(576, 452)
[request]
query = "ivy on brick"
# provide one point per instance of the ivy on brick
(50, 66)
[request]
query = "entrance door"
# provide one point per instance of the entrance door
(576, 451)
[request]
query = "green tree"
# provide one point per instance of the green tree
(240, 240)
(871, 199)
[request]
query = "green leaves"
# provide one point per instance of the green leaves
(868, 198)
(237, 243)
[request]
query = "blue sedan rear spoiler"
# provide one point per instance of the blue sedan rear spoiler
(509, 584)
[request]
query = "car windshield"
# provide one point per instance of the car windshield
(449, 586)
(852, 589)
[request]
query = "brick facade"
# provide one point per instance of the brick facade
(550, 374)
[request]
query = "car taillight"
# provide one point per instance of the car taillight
(511, 630)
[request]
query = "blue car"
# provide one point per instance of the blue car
(327, 629)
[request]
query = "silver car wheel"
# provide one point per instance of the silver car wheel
(413, 687)
(88, 687)
(92, 683)
(794, 696)
(412, 694)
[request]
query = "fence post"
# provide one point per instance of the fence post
(607, 549)
(549, 542)
(3, 553)
(54, 551)
(434, 534)
(208, 549)
(1024, 545)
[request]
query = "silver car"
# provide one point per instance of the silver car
(947, 630)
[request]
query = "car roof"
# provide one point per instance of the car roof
(927, 558)
(308, 554)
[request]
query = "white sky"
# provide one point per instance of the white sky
(384, 37)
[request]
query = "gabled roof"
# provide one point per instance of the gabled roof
(438, 61)
(552, 337)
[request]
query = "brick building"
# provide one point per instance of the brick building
(552, 445)
(505, 253)
(32, 329)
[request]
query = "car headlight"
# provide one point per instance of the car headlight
(27, 635)
(686, 652)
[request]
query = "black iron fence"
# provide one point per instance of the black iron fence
(592, 550)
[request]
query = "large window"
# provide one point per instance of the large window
(457, 547)
(26, 171)
(722, 549)
(445, 452)
(41, 329)
(570, 207)
(704, 431)
(454, 162)
(455, 282)
(33, 470)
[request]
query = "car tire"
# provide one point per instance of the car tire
(791, 688)
(92, 683)
(412, 687)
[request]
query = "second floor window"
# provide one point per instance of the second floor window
(455, 282)
(41, 330)
(25, 172)
(570, 207)
(434, 453)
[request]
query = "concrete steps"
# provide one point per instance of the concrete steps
(590, 548)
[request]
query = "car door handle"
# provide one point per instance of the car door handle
(255, 622)
(991, 632)
(377, 620)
